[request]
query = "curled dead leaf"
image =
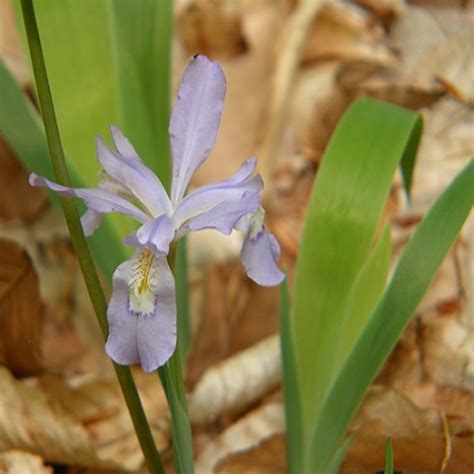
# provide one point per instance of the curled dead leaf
(82, 421)
(20, 311)
(347, 32)
(237, 382)
(30, 422)
(211, 28)
(18, 200)
(268, 457)
(16, 462)
(249, 431)
(418, 436)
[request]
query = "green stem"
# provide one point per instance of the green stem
(78, 239)
(171, 377)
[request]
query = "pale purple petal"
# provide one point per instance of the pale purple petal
(259, 255)
(121, 345)
(148, 339)
(122, 144)
(156, 233)
(218, 206)
(133, 174)
(195, 120)
(97, 199)
(90, 221)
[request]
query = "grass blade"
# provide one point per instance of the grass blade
(294, 438)
(388, 457)
(182, 299)
(172, 381)
(416, 269)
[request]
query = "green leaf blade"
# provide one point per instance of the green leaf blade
(142, 35)
(367, 290)
(291, 395)
(344, 211)
(388, 469)
(21, 127)
(416, 269)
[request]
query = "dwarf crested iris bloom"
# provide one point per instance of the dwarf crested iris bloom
(142, 309)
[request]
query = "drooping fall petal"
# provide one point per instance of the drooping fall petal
(259, 255)
(142, 312)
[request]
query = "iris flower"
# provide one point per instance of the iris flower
(142, 308)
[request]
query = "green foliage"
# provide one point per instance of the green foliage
(182, 298)
(416, 269)
(294, 428)
(172, 381)
(108, 62)
(141, 33)
(344, 211)
(388, 457)
(345, 320)
(127, 385)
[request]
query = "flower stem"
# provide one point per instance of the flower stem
(78, 239)
(171, 377)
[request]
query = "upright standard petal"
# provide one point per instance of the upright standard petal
(130, 171)
(195, 120)
(156, 233)
(259, 255)
(142, 312)
(97, 199)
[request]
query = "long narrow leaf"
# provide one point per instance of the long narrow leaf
(416, 269)
(172, 381)
(294, 429)
(344, 210)
(388, 457)
(141, 33)
(182, 299)
(21, 127)
(335, 464)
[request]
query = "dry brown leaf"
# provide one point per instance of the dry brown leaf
(291, 41)
(11, 50)
(248, 78)
(18, 200)
(418, 437)
(20, 462)
(250, 430)
(82, 421)
(452, 65)
(348, 33)
(20, 311)
(268, 457)
(30, 421)
(237, 313)
(385, 10)
(211, 28)
(98, 404)
(446, 147)
(71, 340)
(236, 383)
(423, 44)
